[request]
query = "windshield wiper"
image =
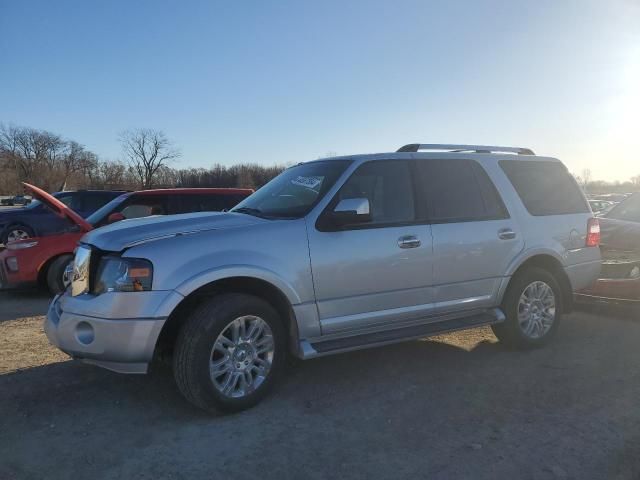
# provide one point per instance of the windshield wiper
(256, 212)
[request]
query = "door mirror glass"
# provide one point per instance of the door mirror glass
(352, 210)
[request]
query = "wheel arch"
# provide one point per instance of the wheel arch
(44, 267)
(551, 263)
(258, 287)
(18, 223)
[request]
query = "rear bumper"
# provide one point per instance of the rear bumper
(619, 290)
(582, 275)
(124, 345)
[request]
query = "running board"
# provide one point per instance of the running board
(367, 340)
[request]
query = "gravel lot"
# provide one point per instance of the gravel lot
(457, 406)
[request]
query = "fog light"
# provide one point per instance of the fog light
(12, 264)
(84, 333)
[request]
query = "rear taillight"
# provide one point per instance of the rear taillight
(593, 232)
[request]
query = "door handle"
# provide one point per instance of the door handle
(409, 241)
(506, 234)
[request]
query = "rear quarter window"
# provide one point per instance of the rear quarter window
(545, 188)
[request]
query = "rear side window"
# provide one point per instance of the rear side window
(459, 190)
(545, 188)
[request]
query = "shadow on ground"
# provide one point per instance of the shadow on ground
(23, 303)
(445, 408)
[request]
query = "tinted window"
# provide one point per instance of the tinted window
(546, 188)
(388, 187)
(628, 210)
(209, 202)
(459, 190)
(93, 201)
(138, 206)
(70, 200)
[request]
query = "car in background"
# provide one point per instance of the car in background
(619, 281)
(17, 200)
(601, 206)
(44, 259)
(36, 220)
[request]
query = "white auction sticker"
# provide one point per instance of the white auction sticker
(310, 182)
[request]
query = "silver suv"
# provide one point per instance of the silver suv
(330, 256)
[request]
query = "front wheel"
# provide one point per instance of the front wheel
(229, 352)
(533, 307)
(57, 279)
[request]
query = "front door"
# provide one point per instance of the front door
(371, 274)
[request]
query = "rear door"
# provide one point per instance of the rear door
(474, 238)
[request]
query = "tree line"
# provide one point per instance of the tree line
(55, 163)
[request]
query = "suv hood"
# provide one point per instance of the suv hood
(58, 207)
(127, 233)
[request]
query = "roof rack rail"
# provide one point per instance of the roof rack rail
(415, 147)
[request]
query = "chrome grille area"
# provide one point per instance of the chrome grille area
(81, 271)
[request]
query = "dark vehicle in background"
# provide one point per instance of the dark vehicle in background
(619, 280)
(36, 220)
(44, 259)
(17, 200)
(601, 206)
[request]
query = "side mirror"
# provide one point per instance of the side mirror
(115, 217)
(351, 211)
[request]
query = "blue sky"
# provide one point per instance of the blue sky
(287, 81)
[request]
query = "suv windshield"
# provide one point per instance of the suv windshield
(294, 192)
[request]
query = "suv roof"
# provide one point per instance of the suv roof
(444, 150)
(453, 148)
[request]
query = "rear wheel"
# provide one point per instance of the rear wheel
(229, 352)
(56, 279)
(533, 308)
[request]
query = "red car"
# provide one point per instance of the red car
(43, 260)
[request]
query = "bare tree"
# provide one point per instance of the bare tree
(147, 151)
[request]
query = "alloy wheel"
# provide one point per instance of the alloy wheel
(17, 234)
(242, 356)
(536, 309)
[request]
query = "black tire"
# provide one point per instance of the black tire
(192, 353)
(55, 273)
(510, 332)
(12, 228)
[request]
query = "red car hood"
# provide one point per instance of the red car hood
(58, 207)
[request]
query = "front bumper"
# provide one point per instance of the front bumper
(124, 345)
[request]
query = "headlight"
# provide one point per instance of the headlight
(116, 274)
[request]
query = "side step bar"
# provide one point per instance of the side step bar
(367, 340)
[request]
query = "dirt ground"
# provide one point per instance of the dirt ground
(456, 406)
